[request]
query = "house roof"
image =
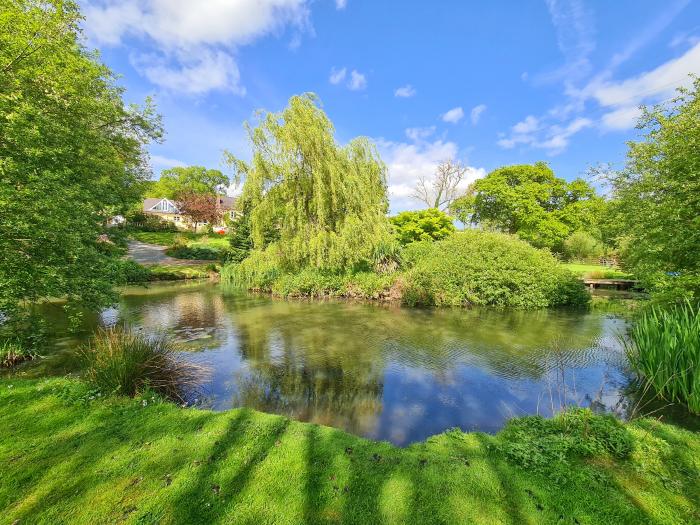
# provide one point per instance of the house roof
(226, 203)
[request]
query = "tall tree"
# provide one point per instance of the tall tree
(440, 191)
(656, 197)
(71, 154)
(190, 179)
(530, 201)
(199, 208)
(327, 202)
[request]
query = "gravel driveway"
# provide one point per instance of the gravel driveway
(149, 254)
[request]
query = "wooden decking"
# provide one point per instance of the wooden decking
(617, 284)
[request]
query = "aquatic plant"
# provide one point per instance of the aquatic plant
(664, 348)
(119, 361)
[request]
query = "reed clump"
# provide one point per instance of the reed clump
(664, 349)
(119, 361)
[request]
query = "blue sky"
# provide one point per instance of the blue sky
(487, 83)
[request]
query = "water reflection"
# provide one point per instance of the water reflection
(380, 371)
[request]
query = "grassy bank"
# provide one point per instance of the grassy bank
(67, 458)
(195, 240)
(596, 271)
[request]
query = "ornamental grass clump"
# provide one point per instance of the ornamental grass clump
(119, 361)
(664, 349)
(13, 353)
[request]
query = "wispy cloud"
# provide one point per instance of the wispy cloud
(575, 32)
(453, 116)
(341, 4)
(476, 112)
(552, 138)
(337, 75)
(405, 91)
(357, 81)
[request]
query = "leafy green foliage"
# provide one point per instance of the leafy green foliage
(127, 363)
(582, 245)
(327, 203)
(485, 268)
(656, 205)
(71, 155)
(528, 200)
(424, 225)
(176, 181)
(549, 446)
(664, 348)
(239, 238)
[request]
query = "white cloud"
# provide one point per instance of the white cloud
(340, 4)
(357, 81)
(185, 38)
(552, 138)
(159, 162)
(575, 33)
(659, 82)
(407, 163)
(454, 115)
(622, 118)
(417, 134)
(405, 91)
(528, 125)
(337, 75)
(209, 71)
(476, 113)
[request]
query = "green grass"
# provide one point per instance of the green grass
(199, 240)
(166, 272)
(596, 271)
(68, 458)
(665, 350)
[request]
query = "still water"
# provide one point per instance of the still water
(379, 371)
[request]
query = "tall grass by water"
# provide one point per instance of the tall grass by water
(664, 348)
(119, 361)
(12, 353)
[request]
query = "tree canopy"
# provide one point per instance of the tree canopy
(530, 201)
(327, 202)
(187, 180)
(657, 197)
(71, 154)
(423, 225)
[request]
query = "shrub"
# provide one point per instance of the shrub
(549, 445)
(130, 272)
(180, 251)
(118, 361)
(582, 245)
(485, 268)
(424, 225)
(13, 353)
(664, 348)
(256, 272)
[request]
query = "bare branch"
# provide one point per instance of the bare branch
(445, 186)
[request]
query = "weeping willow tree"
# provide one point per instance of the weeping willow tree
(325, 204)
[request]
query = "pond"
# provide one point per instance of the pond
(383, 372)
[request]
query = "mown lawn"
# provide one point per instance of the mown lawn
(596, 271)
(167, 272)
(67, 459)
(201, 240)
